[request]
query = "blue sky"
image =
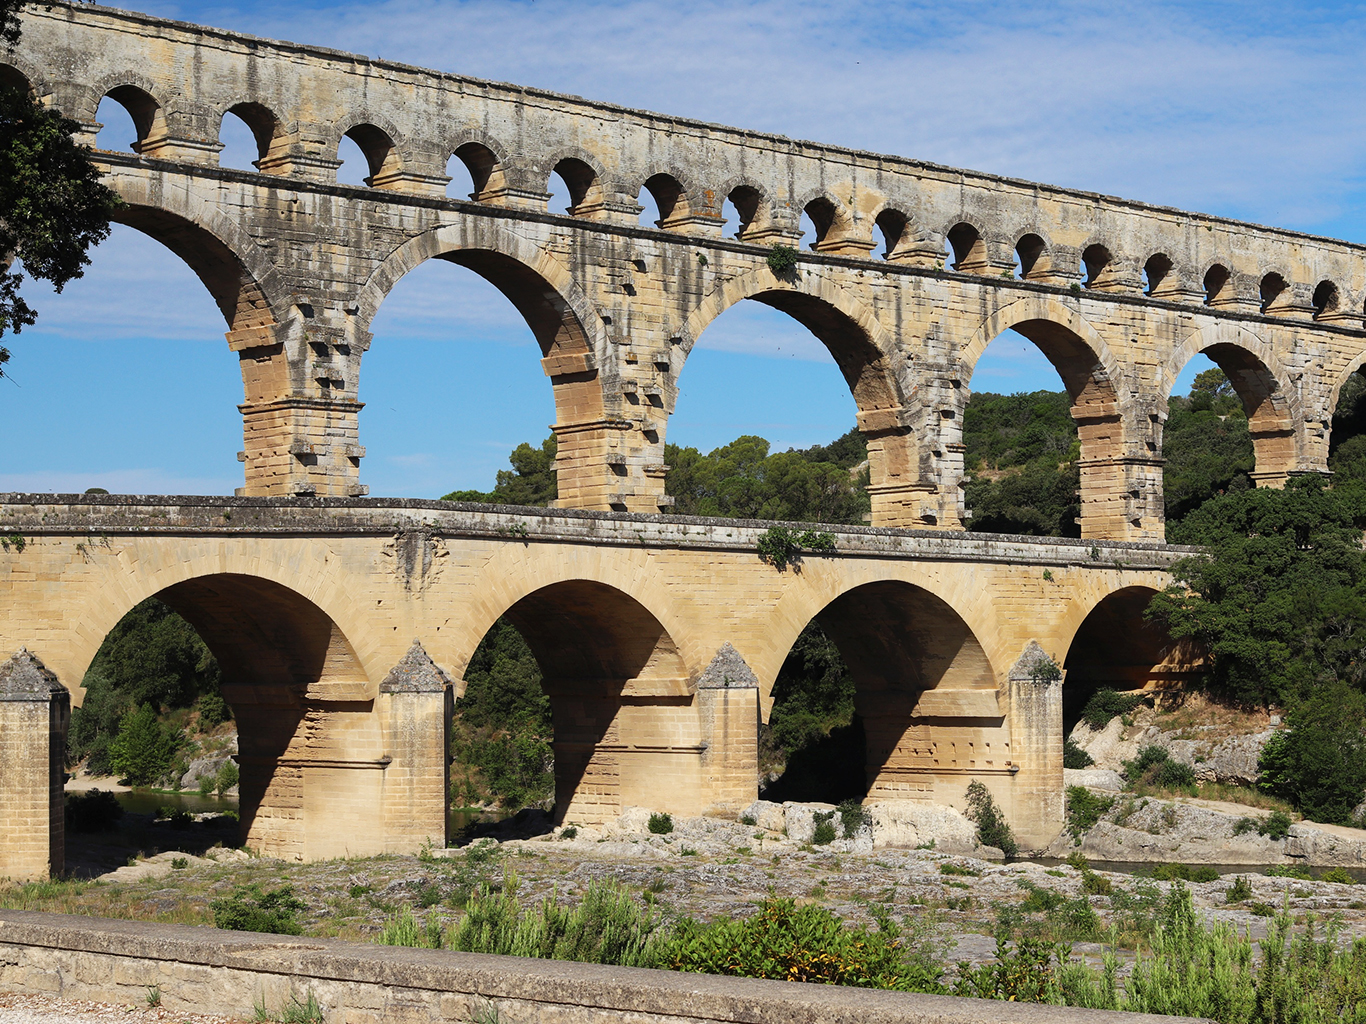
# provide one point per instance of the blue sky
(1243, 109)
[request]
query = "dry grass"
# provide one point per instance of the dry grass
(1246, 796)
(1194, 716)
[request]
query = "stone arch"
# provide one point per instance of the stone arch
(1096, 385)
(1262, 382)
(1115, 647)
(242, 280)
(752, 203)
(266, 128)
(1101, 263)
(137, 94)
(615, 678)
(486, 160)
(866, 356)
(926, 693)
(583, 174)
(675, 194)
(967, 238)
(380, 141)
(1163, 277)
(898, 228)
(566, 325)
(834, 223)
(16, 71)
(1275, 291)
(1034, 249)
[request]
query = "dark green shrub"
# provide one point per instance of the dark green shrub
(661, 824)
(92, 811)
(948, 868)
(1106, 704)
(569, 832)
(145, 748)
(1175, 775)
(1240, 890)
(781, 546)
(1244, 825)
(1084, 809)
(1185, 873)
(1095, 885)
(782, 260)
(853, 817)
(1275, 825)
(180, 819)
(789, 943)
(228, 776)
(1073, 756)
(1289, 871)
(1339, 875)
(824, 833)
(213, 710)
(1319, 763)
(992, 828)
(250, 909)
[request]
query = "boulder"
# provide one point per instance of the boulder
(800, 820)
(1093, 778)
(913, 823)
(766, 815)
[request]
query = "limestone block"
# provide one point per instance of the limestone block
(1093, 778)
(912, 823)
(800, 819)
(767, 815)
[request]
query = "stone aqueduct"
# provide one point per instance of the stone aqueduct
(1117, 294)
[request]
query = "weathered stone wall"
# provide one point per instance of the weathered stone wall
(1119, 295)
(230, 973)
(659, 640)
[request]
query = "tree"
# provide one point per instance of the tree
(54, 206)
(143, 750)
(531, 481)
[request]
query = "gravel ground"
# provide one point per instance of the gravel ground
(30, 1009)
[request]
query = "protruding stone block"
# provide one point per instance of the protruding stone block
(415, 703)
(728, 705)
(35, 710)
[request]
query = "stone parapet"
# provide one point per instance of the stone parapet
(205, 970)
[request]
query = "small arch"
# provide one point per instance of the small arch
(827, 216)
(1029, 250)
(1326, 299)
(1096, 260)
(1273, 292)
(265, 129)
(12, 78)
(585, 188)
(893, 224)
(380, 152)
(1156, 273)
(748, 203)
(149, 120)
(969, 248)
(486, 170)
(671, 198)
(1218, 285)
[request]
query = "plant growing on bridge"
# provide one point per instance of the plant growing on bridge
(781, 546)
(782, 260)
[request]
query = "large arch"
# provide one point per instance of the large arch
(926, 693)
(620, 695)
(1263, 385)
(1096, 386)
(313, 745)
(1116, 647)
(866, 355)
(567, 327)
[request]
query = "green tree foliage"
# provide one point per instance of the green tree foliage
(530, 481)
(1021, 456)
(1207, 445)
(152, 657)
(144, 748)
(55, 207)
(502, 731)
(251, 909)
(1279, 600)
(1319, 763)
(825, 484)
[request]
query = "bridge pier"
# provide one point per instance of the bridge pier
(35, 710)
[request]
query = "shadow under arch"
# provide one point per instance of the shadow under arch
(865, 354)
(925, 698)
(310, 745)
(1115, 647)
(1261, 383)
(613, 673)
(566, 326)
(1095, 387)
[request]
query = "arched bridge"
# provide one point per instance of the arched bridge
(344, 626)
(1117, 294)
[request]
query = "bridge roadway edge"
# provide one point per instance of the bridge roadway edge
(206, 970)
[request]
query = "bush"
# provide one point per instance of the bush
(1084, 809)
(228, 776)
(782, 260)
(790, 943)
(250, 909)
(92, 811)
(1275, 825)
(992, 828)
(1154, 767)
(213, 710)
(1319, 763)
(1073, 756)
(661, 824)
(853, 817)
(145, 748)
(1338, 875)
(1185, 873)
(1105, 704)
(824, 833)
(1240, 890)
